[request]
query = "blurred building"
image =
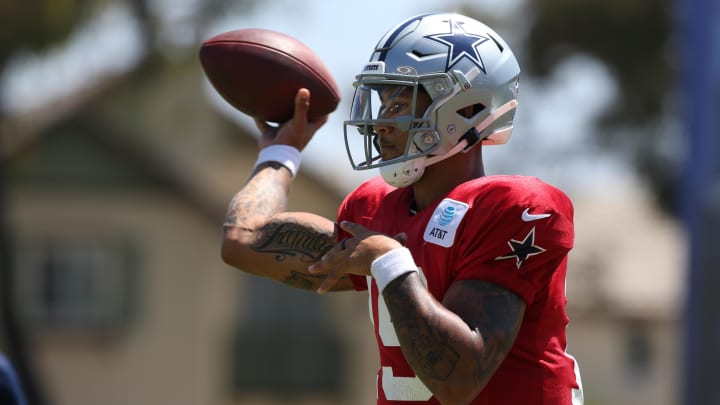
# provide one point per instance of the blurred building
(625, 290)
(117, 203)
(116, 207)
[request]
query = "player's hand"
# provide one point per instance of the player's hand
(354, 255)
(297, 132)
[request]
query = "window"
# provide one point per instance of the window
(285, 345)
(76, 284)
(639, 353)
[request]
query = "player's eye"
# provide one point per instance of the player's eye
(392, 110)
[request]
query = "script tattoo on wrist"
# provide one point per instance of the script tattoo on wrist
(291, 239)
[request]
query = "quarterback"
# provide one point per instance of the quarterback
(465, 272)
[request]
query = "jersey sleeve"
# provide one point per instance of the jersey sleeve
(517, 237)
(359, 206)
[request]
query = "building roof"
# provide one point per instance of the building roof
(163, 124)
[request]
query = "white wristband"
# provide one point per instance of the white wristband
(392, 265)
(286, 155)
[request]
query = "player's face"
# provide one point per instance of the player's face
(397, 101)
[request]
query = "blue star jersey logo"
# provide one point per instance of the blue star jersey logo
(461, 44)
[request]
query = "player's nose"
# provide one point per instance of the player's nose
(381, 129)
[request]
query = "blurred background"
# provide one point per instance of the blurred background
(117, 161)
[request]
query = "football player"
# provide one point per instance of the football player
(465, 272)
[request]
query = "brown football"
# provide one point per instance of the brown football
(259, 71)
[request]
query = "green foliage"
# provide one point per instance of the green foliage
(634, 39)
(37, 24)
(631, 37)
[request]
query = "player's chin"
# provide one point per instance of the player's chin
(389, 153)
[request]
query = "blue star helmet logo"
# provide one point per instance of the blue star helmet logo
(461, 44)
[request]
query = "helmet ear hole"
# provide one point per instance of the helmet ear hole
(471, 110)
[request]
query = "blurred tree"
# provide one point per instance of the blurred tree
(633, 38)
(630, 36)
(35, 26)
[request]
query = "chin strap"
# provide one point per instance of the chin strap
(460, 146)
(499, 136)
(452, 152)
(502, 110)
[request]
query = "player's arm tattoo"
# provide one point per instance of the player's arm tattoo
(432, 341)
(303, 281)
(494, 314)
(296, 242)
(264, 195)
(291, 239)
(262, 238)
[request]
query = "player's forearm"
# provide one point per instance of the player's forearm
(264, 195)
(449, 357)
(261, 238)
(250, 211)
(283, 248)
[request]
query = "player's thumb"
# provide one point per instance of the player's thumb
(401, 237)
(302, 104)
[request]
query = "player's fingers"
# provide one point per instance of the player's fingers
(267, 133)
(330, 259)
(260, 124)
(302, 105)
(332, 278)
(342, 244)
(352, 228)
(295, 132)
(332, 264)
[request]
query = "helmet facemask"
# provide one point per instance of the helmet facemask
(423, 138)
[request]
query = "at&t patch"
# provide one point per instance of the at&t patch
(443, 225)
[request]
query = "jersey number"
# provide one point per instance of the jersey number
(396, 388)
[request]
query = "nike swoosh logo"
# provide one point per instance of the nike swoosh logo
(528, 217)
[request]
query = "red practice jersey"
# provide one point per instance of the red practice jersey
(513, 231)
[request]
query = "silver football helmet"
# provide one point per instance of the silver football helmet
(471, 76)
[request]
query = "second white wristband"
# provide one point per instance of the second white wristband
(286, 155)
(392, 265)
